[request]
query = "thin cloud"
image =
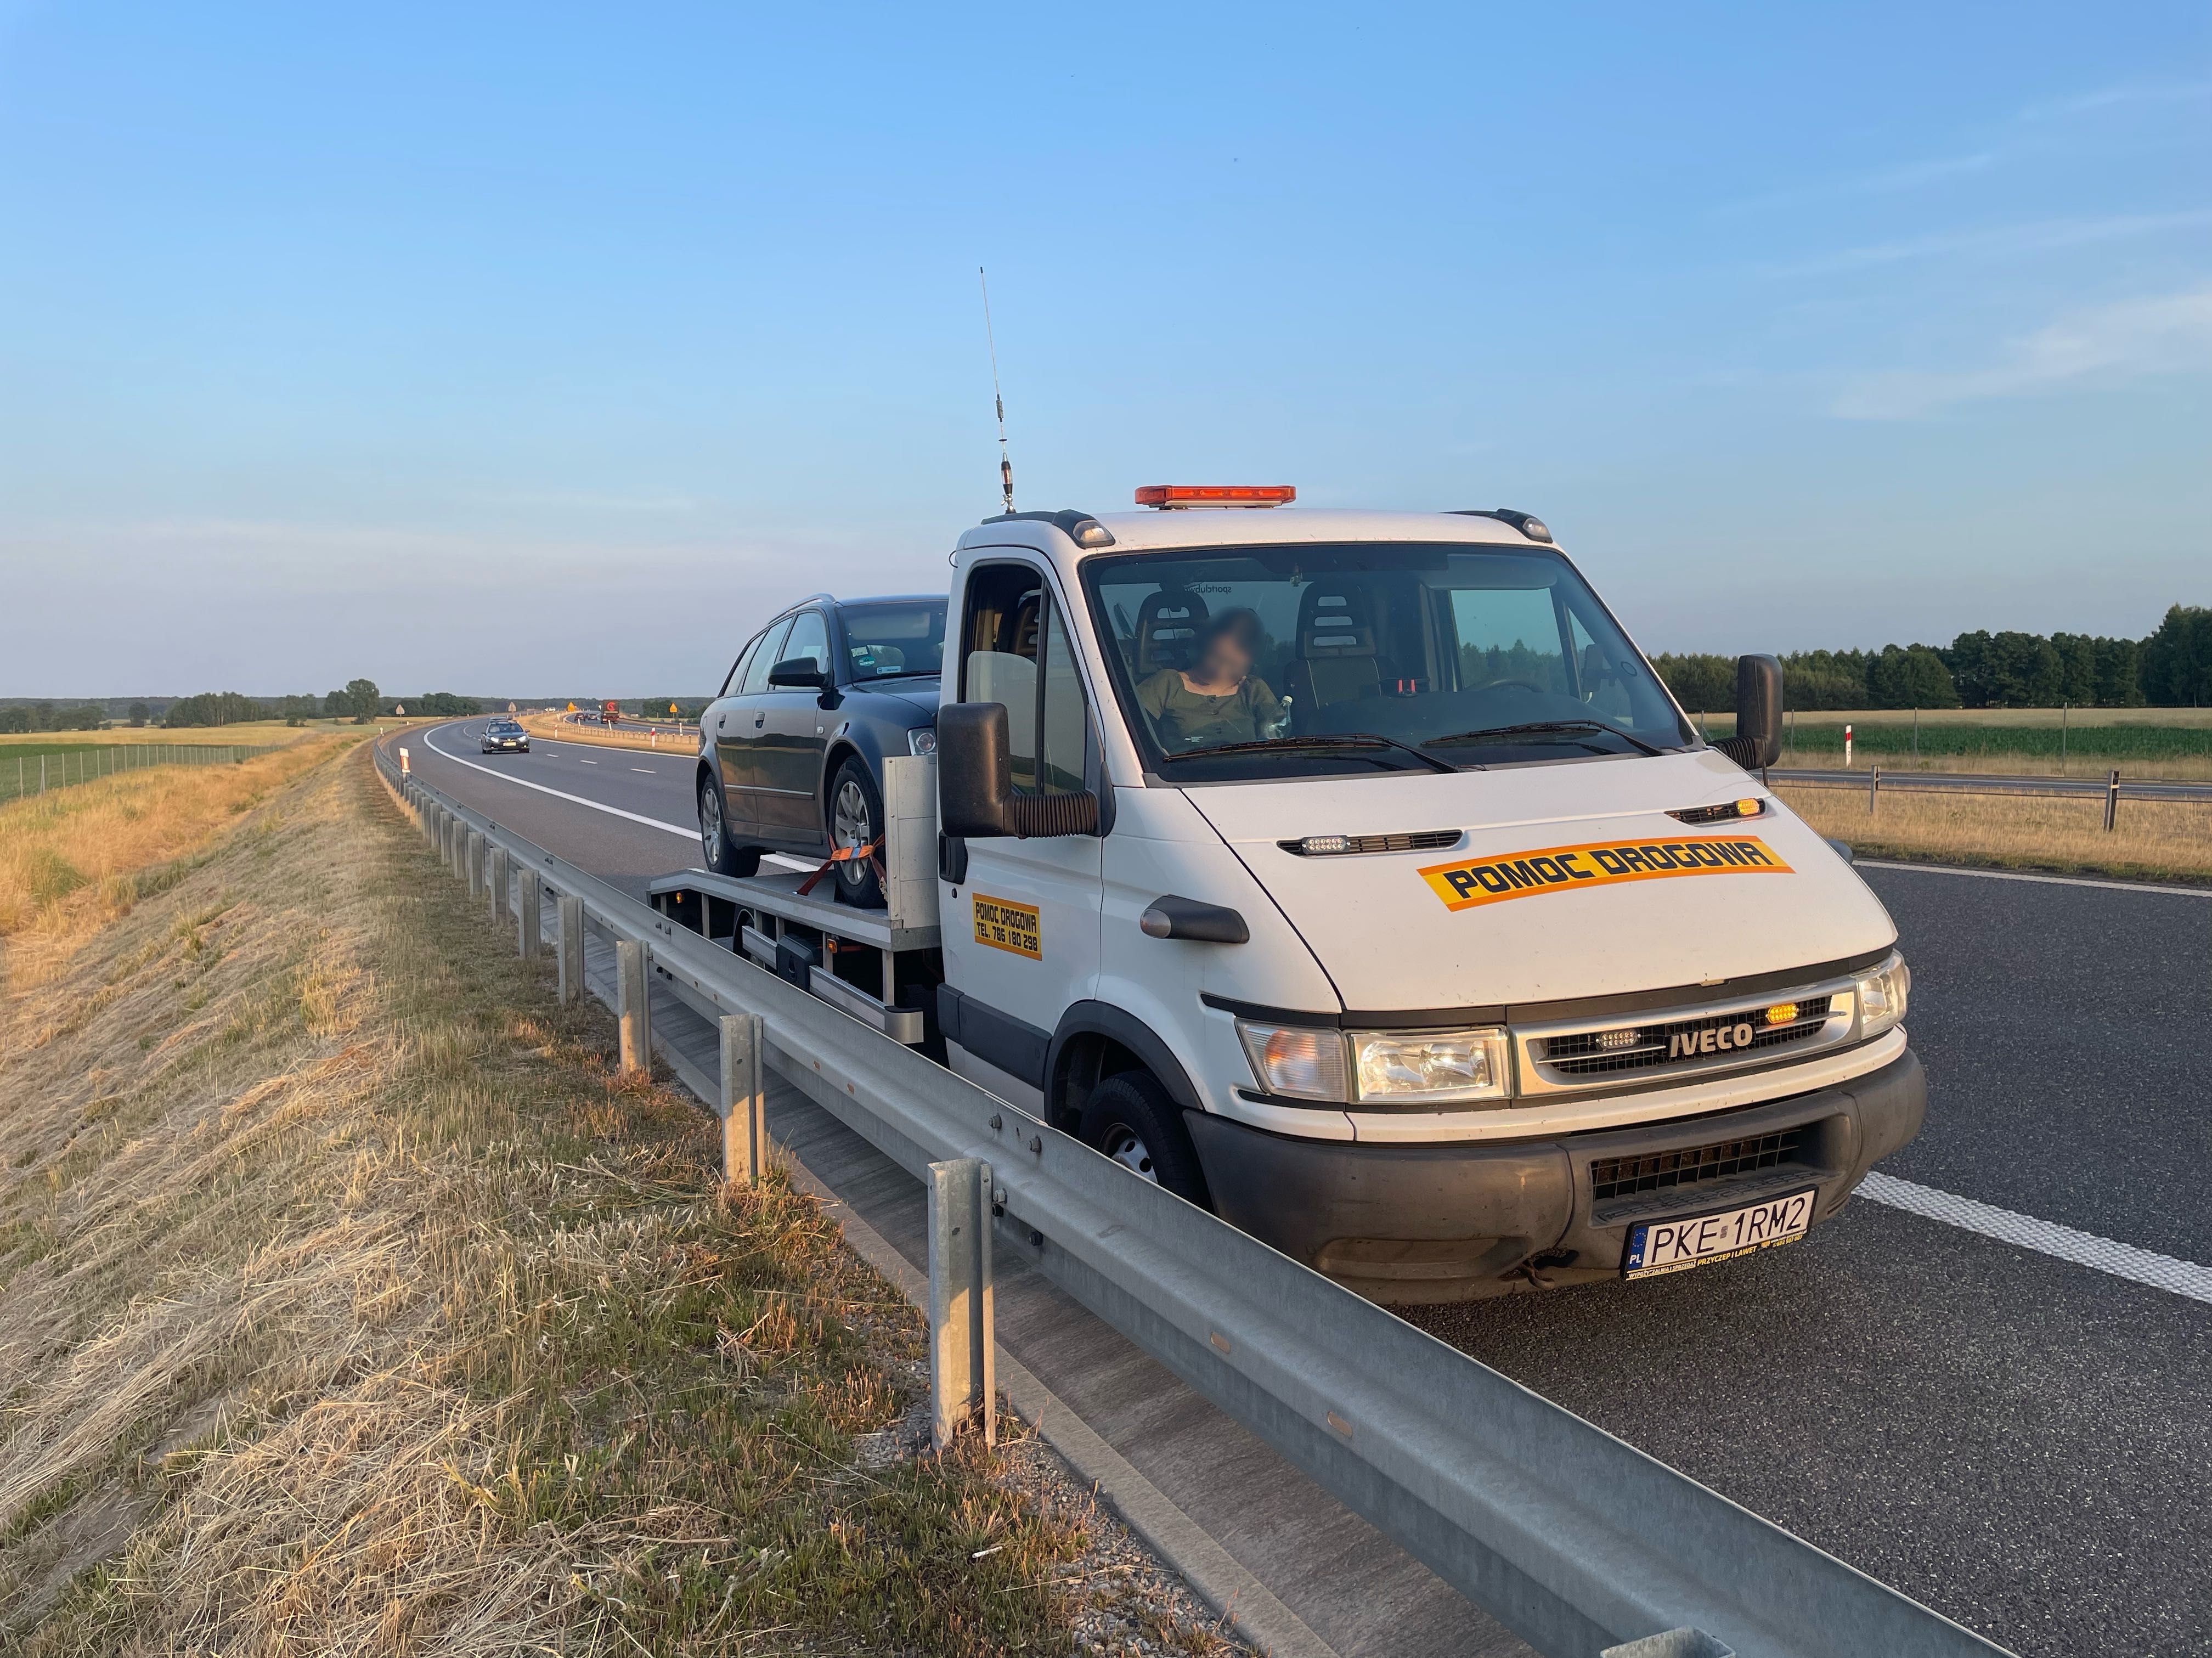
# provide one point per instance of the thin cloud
(2165, 334)
(2000, 240)
(2083, 103)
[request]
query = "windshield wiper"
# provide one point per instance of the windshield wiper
(1544, 725)
(1320, 740)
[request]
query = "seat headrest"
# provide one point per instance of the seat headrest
(1333, 622)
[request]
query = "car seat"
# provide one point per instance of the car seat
(1168, 623)
(1334, 660)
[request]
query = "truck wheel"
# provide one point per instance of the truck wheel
(856, 817)
(1131, 1119)
(722, 857)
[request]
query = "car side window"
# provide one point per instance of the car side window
(809, 639)
(768, 647)
(737, 673)
(1015, 651)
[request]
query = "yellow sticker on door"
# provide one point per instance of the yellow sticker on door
(1005, 925)
(1467, 883)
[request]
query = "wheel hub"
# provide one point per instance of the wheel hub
(850, 829)
(1127, 1147)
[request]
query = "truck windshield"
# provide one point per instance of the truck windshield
(1235, 663)
(882, 641)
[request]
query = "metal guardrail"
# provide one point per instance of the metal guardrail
(1580, 1544)
(2111, 789)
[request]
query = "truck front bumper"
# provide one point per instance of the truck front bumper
(1412, 1223)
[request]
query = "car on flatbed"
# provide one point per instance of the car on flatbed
(1354, 875)
(792, 749)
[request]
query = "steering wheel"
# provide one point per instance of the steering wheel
(1520, 684)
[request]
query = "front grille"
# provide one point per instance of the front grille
(1417, 841)
(1649, 1047)
(1619, 1177)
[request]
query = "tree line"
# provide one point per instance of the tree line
(361, 701)
(2171, 668)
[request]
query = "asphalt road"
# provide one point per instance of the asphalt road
(2021, 1442)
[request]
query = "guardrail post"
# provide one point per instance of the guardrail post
(1674, 1644)
(963, 1381)
(634, 1005)
(569, 910)
(473, 870)
(2113, 804)
(1873, 788)
(496, 882)
(745, 1102)
(529, 927)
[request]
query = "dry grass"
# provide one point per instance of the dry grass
(349, 1305)
(2183, 768)
(2156, 841)
(258, 733)
(557, 730)
(75, 859)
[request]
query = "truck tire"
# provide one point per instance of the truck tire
(722, 857)
(856, 817)
(1130, 1118)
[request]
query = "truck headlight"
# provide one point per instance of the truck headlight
(1430, 1067)
(1882, 994)
(1298, 1064)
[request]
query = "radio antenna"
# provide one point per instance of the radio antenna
(1005, 465)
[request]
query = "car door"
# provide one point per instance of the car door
(1021, 935)
(742, 723)
(793, 735)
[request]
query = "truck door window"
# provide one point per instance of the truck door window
(1017, 652)
(1507, 635)
(763, 659)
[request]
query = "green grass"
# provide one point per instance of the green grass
(28, 767)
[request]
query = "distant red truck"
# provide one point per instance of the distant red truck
(609, 714)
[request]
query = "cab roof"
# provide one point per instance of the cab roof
(1241, 526)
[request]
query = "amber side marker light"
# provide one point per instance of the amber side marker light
(1168, 496)
(1782, 1013)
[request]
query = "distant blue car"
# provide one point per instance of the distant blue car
(791, 753)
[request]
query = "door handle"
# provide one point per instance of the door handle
(759, 720)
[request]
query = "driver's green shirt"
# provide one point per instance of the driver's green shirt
(1183, 719)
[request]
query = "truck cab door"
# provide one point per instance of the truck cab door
(1022, 930)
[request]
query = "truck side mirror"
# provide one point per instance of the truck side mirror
(975, 798)
(1758, 740)
(975, 769)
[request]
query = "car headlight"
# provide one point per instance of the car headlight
(1295, 1063)
(1406, 1068)
(1430, 1067)
(923, 740)
(1882, 993)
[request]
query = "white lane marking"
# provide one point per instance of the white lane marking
(648, 770)
(596, 805)
(2040, 880)
(2183, 1277)
(591, 762)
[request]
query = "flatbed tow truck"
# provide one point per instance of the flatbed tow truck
(1353, 874)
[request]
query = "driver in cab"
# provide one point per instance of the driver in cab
(1218, 699)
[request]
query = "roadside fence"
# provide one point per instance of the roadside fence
(1580, 1544)
(1874, 783)
(24, 774)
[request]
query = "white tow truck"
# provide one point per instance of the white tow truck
(1352, 874)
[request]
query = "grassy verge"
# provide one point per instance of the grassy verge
(349, 1303)
(2173, 746)
(2158, 840)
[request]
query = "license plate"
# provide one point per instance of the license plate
(1675, 1246)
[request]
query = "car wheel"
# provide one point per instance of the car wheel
(1130, 1118)
(723, 858)
(856, 817)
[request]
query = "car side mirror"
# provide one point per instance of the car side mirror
(975, 798)
(799, 673)
(1758, 740)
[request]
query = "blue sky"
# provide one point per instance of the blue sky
(543, 347)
